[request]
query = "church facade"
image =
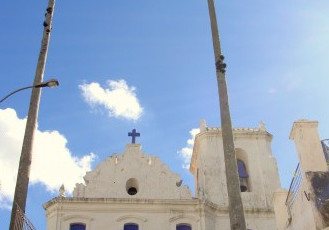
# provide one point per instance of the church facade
(134, 190)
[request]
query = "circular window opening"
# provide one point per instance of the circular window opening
(132, 186)
(132, 191)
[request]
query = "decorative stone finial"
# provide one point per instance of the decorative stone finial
(262, 126)
(62, 191)
(203, 125)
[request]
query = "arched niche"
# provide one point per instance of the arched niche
(243, 170)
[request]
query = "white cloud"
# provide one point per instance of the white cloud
(52, 162)
(186, 152)
(119, 99)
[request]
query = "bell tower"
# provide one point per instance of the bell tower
(257, 167)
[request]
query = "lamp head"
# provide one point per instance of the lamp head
(50, 83)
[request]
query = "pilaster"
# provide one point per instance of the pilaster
(309, 150)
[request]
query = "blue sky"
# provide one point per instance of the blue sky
(149, 65)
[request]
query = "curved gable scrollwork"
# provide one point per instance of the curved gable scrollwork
(151, 178)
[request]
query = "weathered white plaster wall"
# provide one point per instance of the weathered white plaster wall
(308, 145)
(280, 208)
(311, 158)
(161, 202)
(302, 214)
(154, 179)
(253, 146)
(148, 214)
(114, 213)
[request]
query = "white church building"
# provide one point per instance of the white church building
(136, 191)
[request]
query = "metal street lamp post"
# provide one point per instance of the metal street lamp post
(50, 83)
(23, 175)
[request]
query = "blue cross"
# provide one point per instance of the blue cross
(133, 135)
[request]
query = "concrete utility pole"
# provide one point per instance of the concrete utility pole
(237, 219)
(23, 174)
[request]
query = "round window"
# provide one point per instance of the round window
(132, 186)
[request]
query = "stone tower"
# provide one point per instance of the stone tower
(258, 172)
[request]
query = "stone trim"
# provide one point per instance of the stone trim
(130, 217)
